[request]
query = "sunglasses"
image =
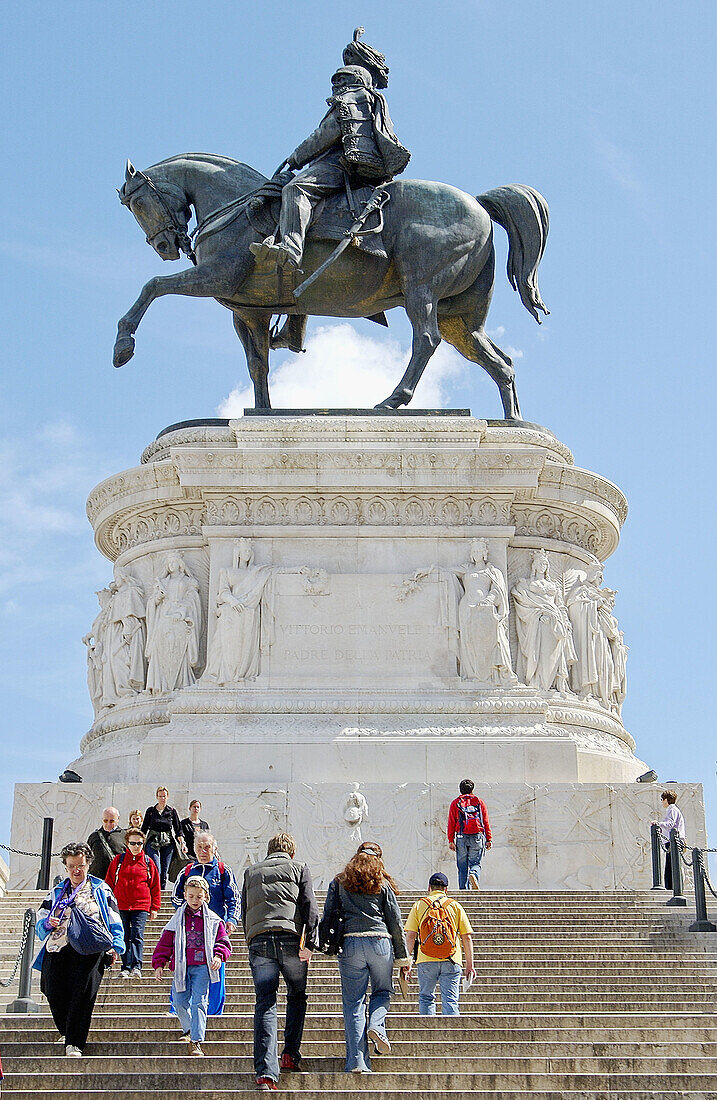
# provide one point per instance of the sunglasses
(135, 843)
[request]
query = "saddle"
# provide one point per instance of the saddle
(330, 220)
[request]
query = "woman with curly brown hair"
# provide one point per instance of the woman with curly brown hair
(365, 894)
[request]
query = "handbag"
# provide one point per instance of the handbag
(178, 861)
(331, 928)
(87, 935)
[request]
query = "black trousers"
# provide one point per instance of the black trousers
(71, 982)
(668, 870)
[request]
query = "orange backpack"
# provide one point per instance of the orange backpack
(437, 934)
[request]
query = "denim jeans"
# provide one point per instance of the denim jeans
(447, 974)
(469, 853)
(272, 954)
(364, 959)
(191, 1005)
(162, 858)
(133, 922)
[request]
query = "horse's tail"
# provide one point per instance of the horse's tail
(523, 213)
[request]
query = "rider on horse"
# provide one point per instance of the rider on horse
(353, 145)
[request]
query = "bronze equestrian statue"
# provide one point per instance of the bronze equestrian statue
(425, 246)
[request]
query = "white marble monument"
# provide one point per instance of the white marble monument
(311, 616)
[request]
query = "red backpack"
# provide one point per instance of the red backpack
(437, 934)
(470, 817)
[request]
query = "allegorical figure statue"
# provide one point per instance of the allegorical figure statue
(94, 640)
(355, 812)
(234, 653)
(545, 645)
(483, 648)
(123, 658)
(354, 143)
(583, 596)
(244, 616)
(174, 616)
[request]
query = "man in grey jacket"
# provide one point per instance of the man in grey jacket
(280, 918)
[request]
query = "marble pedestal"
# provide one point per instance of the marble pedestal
(357, 525)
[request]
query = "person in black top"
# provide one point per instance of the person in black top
(192, 825)
(161, 826)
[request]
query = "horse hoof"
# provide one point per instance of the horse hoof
(393, 402)
(124, 350)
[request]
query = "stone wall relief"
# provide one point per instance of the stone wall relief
(475, 611)
(174, 623)
(355, 812)
(245, 615)
(545, 645)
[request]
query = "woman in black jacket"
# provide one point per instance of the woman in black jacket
(162, 828)
(373, 940)
(192, 825)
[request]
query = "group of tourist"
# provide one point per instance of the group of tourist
(88, 921)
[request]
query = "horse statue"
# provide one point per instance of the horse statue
(435, 257)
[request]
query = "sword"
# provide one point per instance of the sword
(376, 203)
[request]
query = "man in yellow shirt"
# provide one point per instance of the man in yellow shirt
(443, 972)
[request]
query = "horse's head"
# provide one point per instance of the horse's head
(161, 211)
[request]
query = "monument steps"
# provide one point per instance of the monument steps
(567, 1010)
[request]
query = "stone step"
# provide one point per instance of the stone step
(143, 1065)
(185, 1076)
(642, 1092)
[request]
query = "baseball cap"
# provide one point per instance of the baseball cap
(438, 879)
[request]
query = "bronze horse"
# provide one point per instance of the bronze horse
(440, 264)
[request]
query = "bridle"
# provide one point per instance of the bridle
(171, 221)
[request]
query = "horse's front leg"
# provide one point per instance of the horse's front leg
(206, 281)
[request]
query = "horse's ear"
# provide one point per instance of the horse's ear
(130, 171)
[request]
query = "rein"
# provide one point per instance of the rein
(171, 223)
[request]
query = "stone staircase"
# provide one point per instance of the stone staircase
(581, 996)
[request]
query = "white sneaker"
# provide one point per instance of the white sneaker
(136, 973)
(380, 1042)
(60, 1039)
(73, 1052)
(125, 973)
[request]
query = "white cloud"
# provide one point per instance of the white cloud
(343, 368)
(616, 162)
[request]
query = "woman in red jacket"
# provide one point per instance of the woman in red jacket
(134, 879)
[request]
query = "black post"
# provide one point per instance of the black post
(656, 844)
(698, 873)
(24, 1002)
(43, 877)
(676, 865)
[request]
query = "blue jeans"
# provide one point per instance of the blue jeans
(469, 853)
(133, 922)
(364, 959)
(191, 1005)
(272, 954)
(447, 974)
(162, 858)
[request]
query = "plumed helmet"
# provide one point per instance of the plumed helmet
(360, 53)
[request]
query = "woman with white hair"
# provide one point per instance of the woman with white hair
(80, 924)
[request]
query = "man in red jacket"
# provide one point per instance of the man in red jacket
(469, 834)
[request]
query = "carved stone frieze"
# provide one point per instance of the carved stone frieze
(133, 529)
(545, 521)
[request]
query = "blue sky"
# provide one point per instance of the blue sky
(608, 109)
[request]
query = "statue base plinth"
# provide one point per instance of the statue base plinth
(352, 661)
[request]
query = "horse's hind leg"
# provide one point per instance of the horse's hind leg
(476, 345)
(421, 307)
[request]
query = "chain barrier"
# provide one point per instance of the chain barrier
(706, 878)
(35, 855)
(28, 923)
